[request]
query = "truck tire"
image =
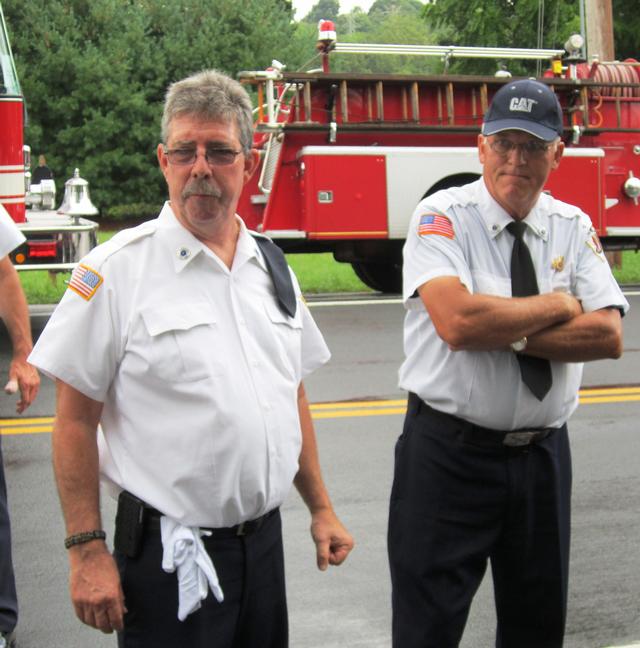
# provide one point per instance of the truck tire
(385, 277)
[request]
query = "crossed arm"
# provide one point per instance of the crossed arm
(15, 313)
(554, 323)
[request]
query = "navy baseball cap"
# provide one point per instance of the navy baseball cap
(525, 105)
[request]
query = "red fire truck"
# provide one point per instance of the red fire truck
(346, 157)
(56, 239)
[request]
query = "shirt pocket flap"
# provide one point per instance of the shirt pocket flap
(177, 317)
(277, 316)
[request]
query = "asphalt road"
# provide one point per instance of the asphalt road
(358, 410)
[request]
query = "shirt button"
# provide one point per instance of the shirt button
(255, 363)
(266, 407)
(494, 227)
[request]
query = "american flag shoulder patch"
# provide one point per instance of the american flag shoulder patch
(85, 281)
(435, 223)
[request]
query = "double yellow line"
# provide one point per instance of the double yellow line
(44, 424)
(388, 407)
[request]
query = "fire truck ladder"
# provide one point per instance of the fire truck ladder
(346, 102)
(439, 103)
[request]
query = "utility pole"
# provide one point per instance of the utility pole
(599, 18)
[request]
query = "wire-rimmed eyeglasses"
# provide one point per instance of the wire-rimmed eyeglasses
(533, 148)
(214, 155)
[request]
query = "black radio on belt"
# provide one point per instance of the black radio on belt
(129, 525)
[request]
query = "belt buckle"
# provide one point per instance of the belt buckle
(240, 530)
(518, 439)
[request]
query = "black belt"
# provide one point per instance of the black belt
(479, 435)
(152, 522)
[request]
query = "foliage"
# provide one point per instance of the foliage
(504, 23)
(94, 75)
(626, 27)
(509, 23)
(388, 21)
(323, 9)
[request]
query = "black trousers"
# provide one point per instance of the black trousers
(254, 610)
(8, 599)
(456, 504)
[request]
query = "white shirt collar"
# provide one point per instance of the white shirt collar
(496, 218)
(185, 246)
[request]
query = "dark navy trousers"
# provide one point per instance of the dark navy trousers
(457, 503)
(8, 599)
(251, 573)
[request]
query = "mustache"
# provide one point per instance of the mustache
(201, 187)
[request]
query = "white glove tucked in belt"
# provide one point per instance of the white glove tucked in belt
(184, 550)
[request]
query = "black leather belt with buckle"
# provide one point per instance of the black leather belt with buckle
(478, 435)
(525, 437)
(244, 528)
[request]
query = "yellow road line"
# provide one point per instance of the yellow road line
(609, 399)
(352, 404)
(609, 390)
(364, 412)
(34, 429)
(344, 409)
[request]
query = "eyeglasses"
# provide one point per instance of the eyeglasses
(530, 149)
(213, 155)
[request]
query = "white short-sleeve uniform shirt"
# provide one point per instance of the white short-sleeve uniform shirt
(471, 243)
(10, 235)
(196, 365)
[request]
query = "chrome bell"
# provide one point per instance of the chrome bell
(76, 201)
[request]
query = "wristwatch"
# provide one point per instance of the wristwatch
(519, 345)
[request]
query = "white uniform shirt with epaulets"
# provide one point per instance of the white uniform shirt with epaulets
(10, 235)
(197, 367)
(464, 235)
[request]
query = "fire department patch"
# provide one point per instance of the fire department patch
(434, 223)
(85, 281)
(594, 243)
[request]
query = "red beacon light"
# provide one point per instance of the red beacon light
(326, 41)
(326, 35)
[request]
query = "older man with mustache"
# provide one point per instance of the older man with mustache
(186, 339)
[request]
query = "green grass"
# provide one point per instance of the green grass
(320, 273)
(629, 273)
(317, 273)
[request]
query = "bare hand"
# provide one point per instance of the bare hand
(94, 582)
(333, 541)
(573, 306)
(24, 377)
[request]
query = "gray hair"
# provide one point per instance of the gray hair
(210, 95)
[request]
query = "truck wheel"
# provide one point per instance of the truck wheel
(385, 277)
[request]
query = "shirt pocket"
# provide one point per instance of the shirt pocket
(286, 335)
(561, 280)
(181, 341)
(485, 283)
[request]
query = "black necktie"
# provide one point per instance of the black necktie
(535, 372)
(279, 271)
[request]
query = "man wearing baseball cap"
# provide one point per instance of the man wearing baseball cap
(507, 293)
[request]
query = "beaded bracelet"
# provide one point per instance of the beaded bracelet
(85, 536)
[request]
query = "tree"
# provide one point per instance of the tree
(94, 77)
(323, 9)
(503, 23)
(626, 27)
